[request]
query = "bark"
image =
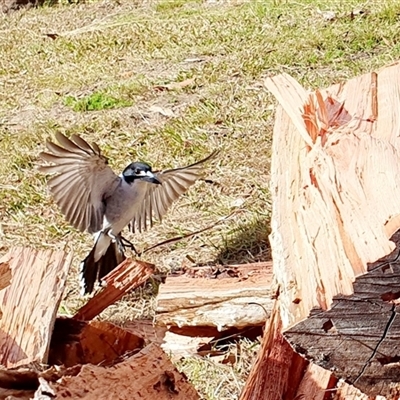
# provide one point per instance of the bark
(147, 375)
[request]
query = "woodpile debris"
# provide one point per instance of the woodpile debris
(329, 308)
(44, 357)
(48, 357)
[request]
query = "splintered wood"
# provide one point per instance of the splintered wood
(335, 185)
(30, 303)
(342, 186)
(230, 296)
(125, 277)
(149, 374)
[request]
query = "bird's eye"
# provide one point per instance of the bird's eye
(137, 172)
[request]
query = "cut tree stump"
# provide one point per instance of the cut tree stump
(29, 304)
(229, 296)
(364, 324)
(335, 184)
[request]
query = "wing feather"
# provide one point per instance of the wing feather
(83, 180)
(159, 198)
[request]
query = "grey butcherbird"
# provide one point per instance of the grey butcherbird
(94, 199)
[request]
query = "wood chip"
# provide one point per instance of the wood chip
(127, 276)
(5, 275)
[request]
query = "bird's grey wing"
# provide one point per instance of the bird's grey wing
(83, 181)
(159, 198)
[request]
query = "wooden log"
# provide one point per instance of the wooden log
(147, 375)
(335, 184)
(79, 342)
(30, 303)
(228, 296)
(127, 276)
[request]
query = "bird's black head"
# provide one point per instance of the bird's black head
(139, 171)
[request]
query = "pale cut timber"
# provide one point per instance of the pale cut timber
(237, 296)
(125, 277)
(335, 204)
(278, 370)
(29, 304)
(334, 198)
(147, 375)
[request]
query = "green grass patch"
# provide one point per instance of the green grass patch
(95, 102)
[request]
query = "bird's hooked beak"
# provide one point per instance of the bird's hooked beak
(151, 178)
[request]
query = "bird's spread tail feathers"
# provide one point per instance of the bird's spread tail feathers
(92, 270)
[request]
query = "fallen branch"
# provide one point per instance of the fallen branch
(189, 234)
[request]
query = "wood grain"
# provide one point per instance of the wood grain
(228, 296)
(29, 304)
(335, 185)
(125, 277)
(95, 342)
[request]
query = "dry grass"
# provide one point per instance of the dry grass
(119, 53)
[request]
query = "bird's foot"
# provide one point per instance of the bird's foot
(125, 243)
(122, 243)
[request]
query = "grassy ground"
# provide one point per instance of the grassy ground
(100, 69)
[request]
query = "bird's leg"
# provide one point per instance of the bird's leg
(126, 243)
(122, 242)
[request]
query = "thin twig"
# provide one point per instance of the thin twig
(188, 235)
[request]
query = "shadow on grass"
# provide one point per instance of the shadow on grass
(13, 5)
(248, 244)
